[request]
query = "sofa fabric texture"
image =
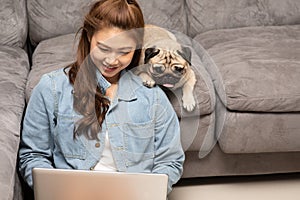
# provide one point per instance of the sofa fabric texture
(49, 19)
(13, 75)
(208, 15)
(51, 54)
(260, 132)
(13, 23)
(246, 57)
(169, 14)
(265, 61)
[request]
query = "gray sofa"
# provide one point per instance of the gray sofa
(14, 65)
(246, 55)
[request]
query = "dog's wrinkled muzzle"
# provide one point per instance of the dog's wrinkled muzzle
(167, 80)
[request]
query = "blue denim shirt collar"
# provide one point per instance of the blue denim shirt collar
(127, 88)
(102, 82)
(126, 91)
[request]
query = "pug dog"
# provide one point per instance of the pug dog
(166, 63)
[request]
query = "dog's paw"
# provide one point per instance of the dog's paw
(189, 102)
(149, 83)
(147, 80)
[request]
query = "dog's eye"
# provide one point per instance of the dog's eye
(178, 68)
(159, 68)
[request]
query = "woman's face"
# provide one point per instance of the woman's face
(112, 50)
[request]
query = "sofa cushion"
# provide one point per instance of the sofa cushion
(256, 68)
(14, 69)
(221, 164)
(169, 14)
(207, 15)
(260, 132)
(48, 19)
(13, 23)
(51, 54)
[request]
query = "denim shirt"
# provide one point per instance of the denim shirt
(142, 126)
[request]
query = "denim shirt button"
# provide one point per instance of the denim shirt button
(97, 145)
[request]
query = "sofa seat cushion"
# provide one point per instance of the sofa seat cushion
(49, 55)
(256, 68)
(260, 132)
(14, 69)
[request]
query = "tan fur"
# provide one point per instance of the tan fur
(168, 58)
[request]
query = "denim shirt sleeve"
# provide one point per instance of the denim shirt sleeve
(36, 140)
(169, 155)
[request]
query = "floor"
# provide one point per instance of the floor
(274, 187)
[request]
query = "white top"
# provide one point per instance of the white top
(106, 162)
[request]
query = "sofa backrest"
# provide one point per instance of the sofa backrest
(204, 15)
(49, 19)
(13, 23)
(53, 18)
(170, 14)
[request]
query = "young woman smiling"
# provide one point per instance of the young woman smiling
(96, 114)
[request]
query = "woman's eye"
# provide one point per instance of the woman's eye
(103, 49)
(124, 52)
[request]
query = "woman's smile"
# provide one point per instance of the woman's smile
(110, 69)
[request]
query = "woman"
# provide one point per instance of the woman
(97, 115)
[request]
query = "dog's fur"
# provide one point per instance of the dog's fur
(165, 62)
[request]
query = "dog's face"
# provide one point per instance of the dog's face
(168, 68)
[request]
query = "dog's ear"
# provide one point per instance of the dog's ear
(150, 53)
(186, 54)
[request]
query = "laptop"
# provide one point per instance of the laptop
(63, 184)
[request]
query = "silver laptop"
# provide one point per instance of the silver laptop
(61, 184)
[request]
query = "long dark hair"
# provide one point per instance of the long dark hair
(88, 97)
